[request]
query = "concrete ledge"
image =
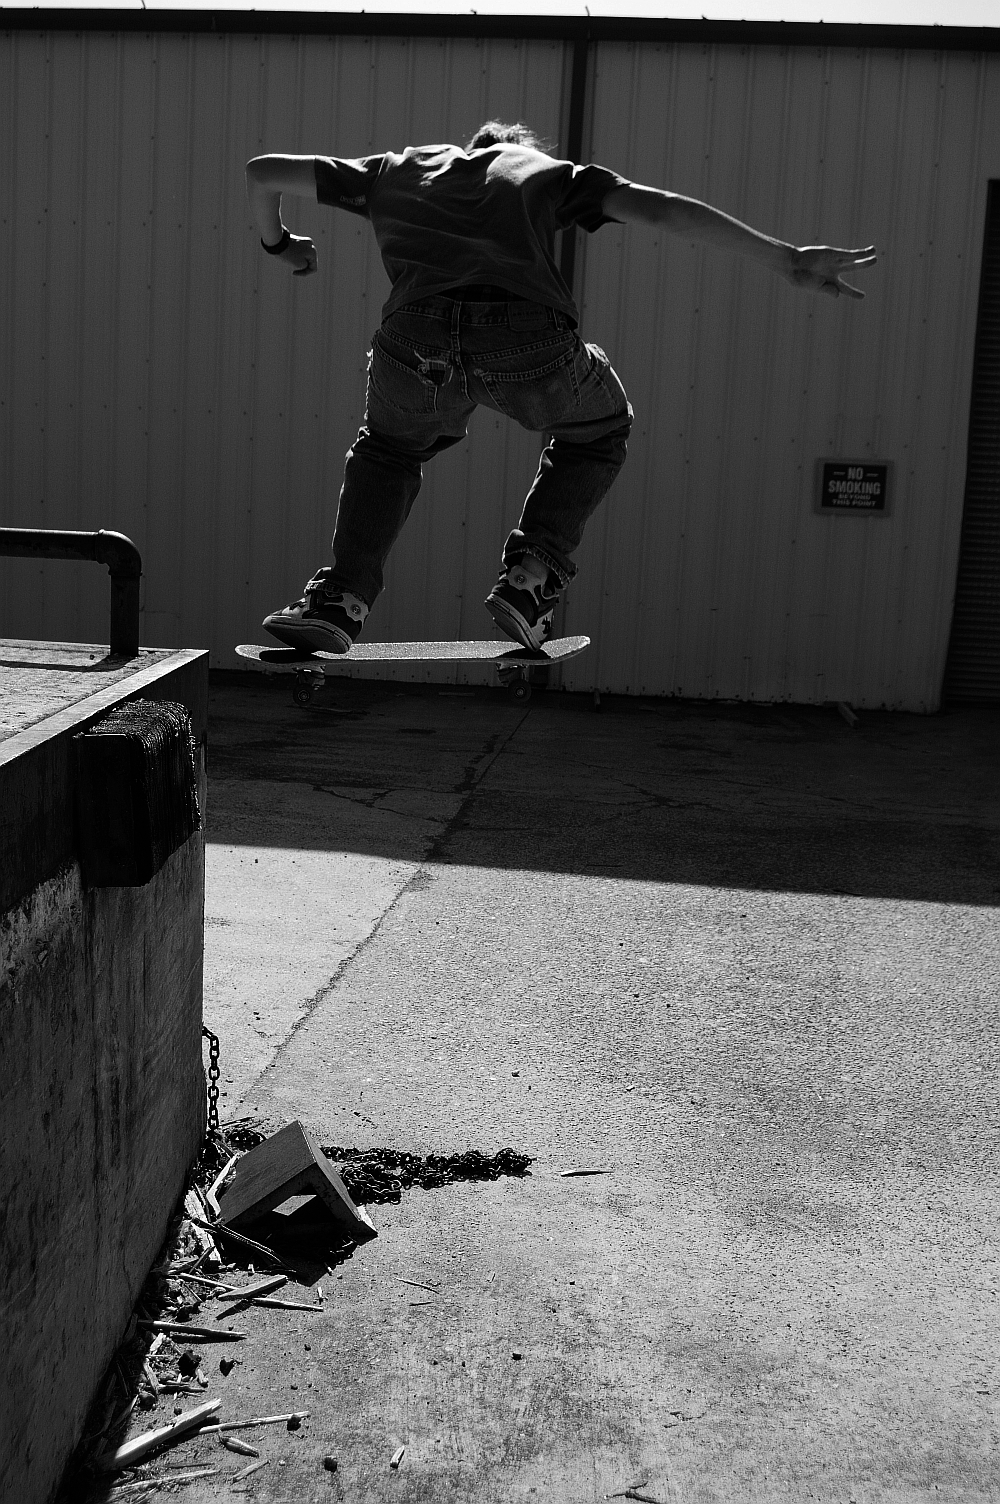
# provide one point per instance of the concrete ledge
(36, 759)
(103, 1109)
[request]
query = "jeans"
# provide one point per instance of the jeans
(431, 364)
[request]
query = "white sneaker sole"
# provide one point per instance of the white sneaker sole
(514, 624)
(315, 637)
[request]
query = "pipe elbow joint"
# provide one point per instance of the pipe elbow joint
(119, 553)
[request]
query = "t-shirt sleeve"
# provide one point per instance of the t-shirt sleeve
(347, 182)
(584, 192)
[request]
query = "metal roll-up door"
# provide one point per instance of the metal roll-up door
(973, 668)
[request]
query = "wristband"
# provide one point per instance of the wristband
(282, 244)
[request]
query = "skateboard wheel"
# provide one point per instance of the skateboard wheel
(520, 690)
(302, 694)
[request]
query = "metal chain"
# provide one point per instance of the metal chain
(213, 1076)
(377, 1175)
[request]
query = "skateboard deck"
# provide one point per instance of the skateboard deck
(312, 669)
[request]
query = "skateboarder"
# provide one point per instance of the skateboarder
(479, 315)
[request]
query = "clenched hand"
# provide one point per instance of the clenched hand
(300, 253)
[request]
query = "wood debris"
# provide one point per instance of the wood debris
(163, 1480)
(221, 1230)
(171, 1271)
(259, 1420)
(124, 1413)
(202, 1279)
(254, 1467)
(233, 1444)
(133, 1451)
(193, 1333)
(195, 1213)
(285, 1305)
(250, 1292)
(397, 1458)
(211, 1195)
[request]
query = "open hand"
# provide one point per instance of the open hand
(820, 268)
(300, 253)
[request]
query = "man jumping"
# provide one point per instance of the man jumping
(480, 316)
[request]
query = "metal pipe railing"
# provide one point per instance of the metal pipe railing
(113, 549)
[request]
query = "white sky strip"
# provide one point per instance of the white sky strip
(844, 12)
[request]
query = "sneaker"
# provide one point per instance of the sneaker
(523, 600)
(326, 619)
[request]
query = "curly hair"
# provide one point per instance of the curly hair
(497, 133)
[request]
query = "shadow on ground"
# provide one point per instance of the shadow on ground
(780, 798)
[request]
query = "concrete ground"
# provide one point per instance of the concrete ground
(744, 958)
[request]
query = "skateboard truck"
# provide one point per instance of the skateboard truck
(307, 682)
(514, 678)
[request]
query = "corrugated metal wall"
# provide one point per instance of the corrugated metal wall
(740, 382)
(160, 376)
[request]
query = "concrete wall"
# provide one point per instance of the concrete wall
(103, 1105)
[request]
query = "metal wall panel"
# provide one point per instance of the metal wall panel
(708, 573)
(159, 375)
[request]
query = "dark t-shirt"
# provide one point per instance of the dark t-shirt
(444, 217)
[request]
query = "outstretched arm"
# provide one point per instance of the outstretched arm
(819, 268)
(267, 179)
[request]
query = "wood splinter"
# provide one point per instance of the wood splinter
(234, 1444)
(259, 1420)
(132, 1451)
(253, 1468)
(249, 1292)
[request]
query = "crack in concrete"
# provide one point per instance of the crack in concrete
(475, 771)
(375, 802)
(808, 797)
(650, 800)
(367, 802)
(471, 778)
(472, 775)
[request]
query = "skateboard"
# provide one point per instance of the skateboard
(311, 670)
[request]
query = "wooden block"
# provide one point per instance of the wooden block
(136, 792)
(288, 1164)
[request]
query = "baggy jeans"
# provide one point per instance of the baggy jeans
(431, 364)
